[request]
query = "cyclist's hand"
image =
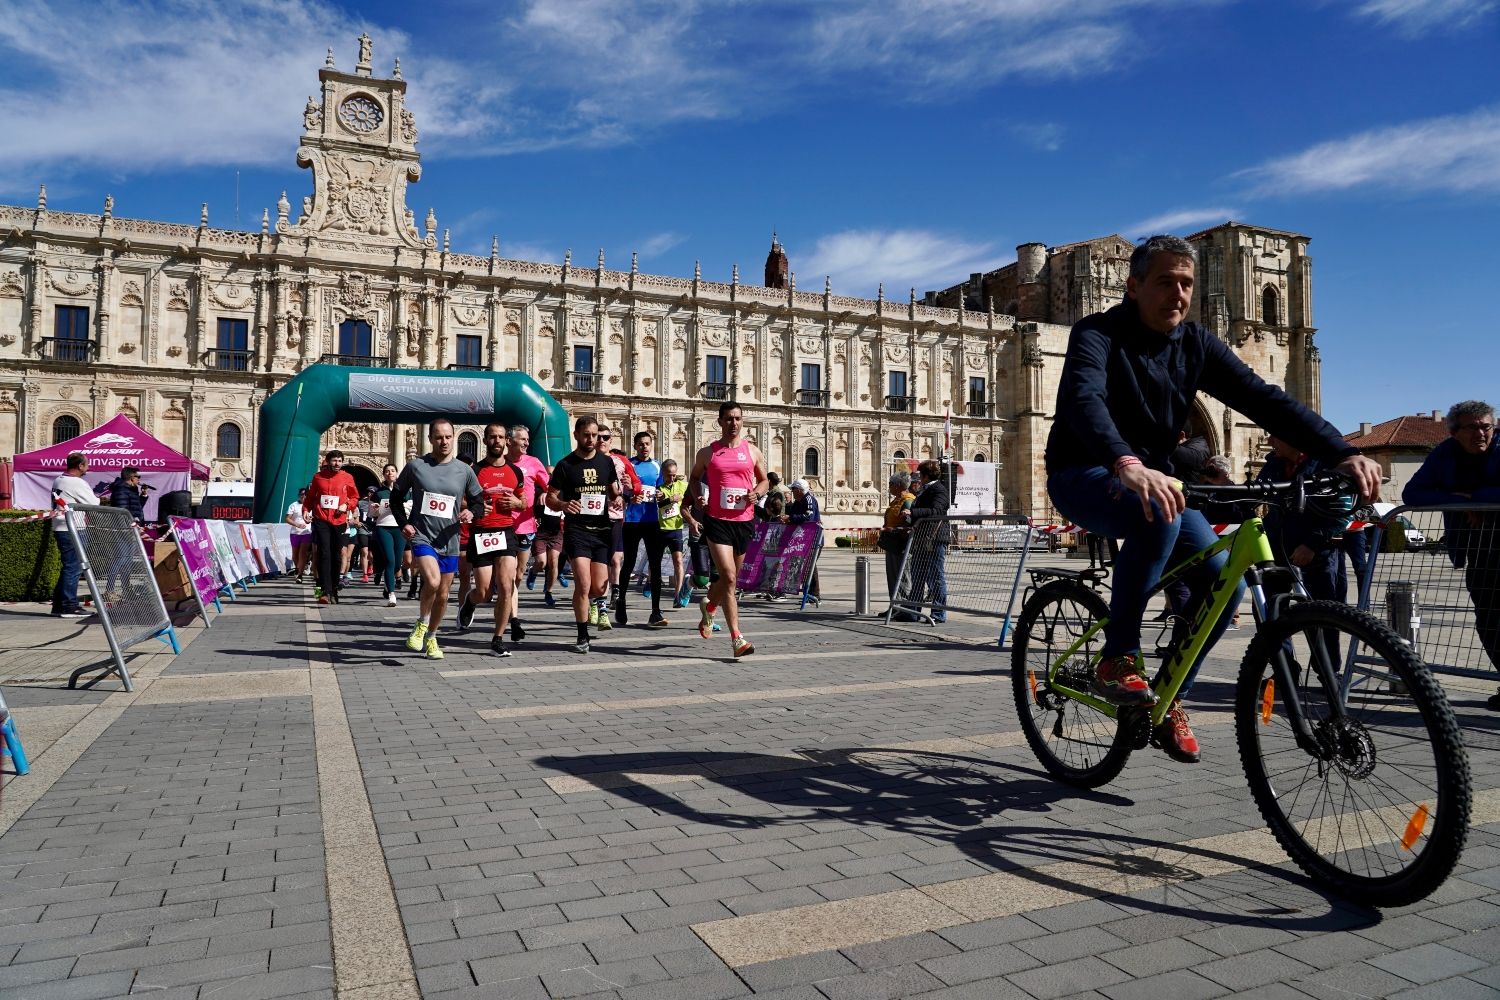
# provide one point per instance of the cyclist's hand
(1366, 475)
(1151, 485)
(1302, 556)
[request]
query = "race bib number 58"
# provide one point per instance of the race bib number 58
(591, 503)
(439, 505)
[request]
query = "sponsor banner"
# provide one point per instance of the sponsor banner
(974, 488)
(196, 548)
(229, 567)
(243, 559)
(251, 540)
(422, 393)
(780, 557)
(281, 543)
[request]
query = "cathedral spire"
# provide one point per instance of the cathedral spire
(777, 268)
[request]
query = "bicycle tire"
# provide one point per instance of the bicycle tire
(1079, 746)
(1397, 758)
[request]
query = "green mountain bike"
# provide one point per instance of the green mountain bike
(1364, 783)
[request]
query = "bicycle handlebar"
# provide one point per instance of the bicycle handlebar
(1293, 494)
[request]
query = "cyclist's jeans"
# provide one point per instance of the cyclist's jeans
(1094, 498)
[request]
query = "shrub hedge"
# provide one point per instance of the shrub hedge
(30, 565)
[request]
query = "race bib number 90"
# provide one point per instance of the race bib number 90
(734, 498)
(439, 505)
(486, 542)
(328, 502)
(591, 503)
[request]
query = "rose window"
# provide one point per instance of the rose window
(361, 114)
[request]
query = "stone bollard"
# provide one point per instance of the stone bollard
(862, 585)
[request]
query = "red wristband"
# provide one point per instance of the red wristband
(1125, 462)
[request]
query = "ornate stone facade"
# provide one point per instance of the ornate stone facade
(819, 375)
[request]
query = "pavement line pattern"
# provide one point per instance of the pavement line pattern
(181, 688)
(724, 698)
(574, 666)
(371, 956)
(796, 760)
(806, 930)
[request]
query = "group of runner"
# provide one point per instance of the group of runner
(589, 516)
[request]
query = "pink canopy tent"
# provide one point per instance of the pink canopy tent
(110, 448)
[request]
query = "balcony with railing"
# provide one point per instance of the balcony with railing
(225, 360)
(716, 391)
(812, 397)
(979, 408)
(70, 349)
(901, 404)
(459, 366)
(352, 360)
(583, 381)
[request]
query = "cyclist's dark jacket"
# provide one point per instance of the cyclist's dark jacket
(1128, 390)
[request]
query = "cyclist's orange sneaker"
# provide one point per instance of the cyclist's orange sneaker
(1119, 681)
(1175, 737)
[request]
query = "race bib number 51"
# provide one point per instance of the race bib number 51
(591, 503)
(439, 505)
(486, 542)
(328, 502)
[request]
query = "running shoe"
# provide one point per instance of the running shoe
(417, 637)
(705, 620)
(531, 580)
(593, 614)
(517, 633)
(466, 613)
(411, 594)
(497, 646)
(549, 600)
(1175, 737)
(432, 651)
(323, 599)
(620, 617)
(743, 647)
(604, 623)
(317, 591)
(646, 593)
(658, 620)
(390, 600)
(384, 591)
(1119, 681)
(582, 646)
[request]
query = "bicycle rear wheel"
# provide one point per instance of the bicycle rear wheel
(1381, 811)
(1076, 743)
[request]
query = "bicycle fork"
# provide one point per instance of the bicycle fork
(1272, 590)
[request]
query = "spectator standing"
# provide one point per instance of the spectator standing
(929, 577)
(776, 498)
(127, 493)
(1465, 469)
(803, 510)
(893, 535)
(72, 490)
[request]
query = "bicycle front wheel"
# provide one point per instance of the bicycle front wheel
(1378, 808)
(1075, 742)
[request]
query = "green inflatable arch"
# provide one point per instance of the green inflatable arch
(294, 418)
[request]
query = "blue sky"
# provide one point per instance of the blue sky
(899, 141)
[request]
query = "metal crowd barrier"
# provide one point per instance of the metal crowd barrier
(1433, 575)
(967, 564)
(122, 583)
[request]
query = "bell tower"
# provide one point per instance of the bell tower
(360, 142)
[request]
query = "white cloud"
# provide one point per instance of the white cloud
(1180, 220)
(655, 246)
(858, 260)
(538, 252)
(1046, 137)
(1418, 17)
(163, 85)
(1456, 153)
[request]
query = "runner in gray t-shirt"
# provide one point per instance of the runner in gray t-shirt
(436, 483)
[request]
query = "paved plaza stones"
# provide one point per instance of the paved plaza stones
(297, 807)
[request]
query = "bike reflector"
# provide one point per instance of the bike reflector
(1031, 679)
(1267, 699)
(1415, 827)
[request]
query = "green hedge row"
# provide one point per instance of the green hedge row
(30, 565)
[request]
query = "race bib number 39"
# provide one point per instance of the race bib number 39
(328, 502)
(486, 542)
(439, 505)
(734, 499)
(591, 503)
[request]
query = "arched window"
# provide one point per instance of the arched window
(810, 462)
(354, 338)
(1270, 313)
(979, 457)
(468, 446)
(229, 437)
(65, 429)
(899, 456)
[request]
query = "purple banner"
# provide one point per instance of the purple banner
(780, 557)
(196, 548)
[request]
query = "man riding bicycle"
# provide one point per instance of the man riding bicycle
(1126, 394)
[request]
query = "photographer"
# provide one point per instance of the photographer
(127, 493)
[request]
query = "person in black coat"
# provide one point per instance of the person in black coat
(127, 493)
(930, 547)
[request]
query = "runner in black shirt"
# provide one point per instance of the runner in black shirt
(582, 485)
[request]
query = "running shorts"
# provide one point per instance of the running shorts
(550, 542)
(579, 543)
(675, 539)
(505, 538)
(617, 536)
(735, 534)
(446, 564)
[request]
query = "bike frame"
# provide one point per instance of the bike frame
(1250, 557)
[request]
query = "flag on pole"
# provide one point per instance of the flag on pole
(947, 430)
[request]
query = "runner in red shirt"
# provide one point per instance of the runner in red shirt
(492, 546)
(330, 498)
(532, 492)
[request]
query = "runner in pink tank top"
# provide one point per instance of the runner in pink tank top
(728, 477)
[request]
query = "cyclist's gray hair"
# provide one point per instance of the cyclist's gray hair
(1468, 408)
(900, 480)
(1219, 464)
(1141, 257)
(518, 428)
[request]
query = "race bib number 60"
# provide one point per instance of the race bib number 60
(439, 505)
(591, 503)
(486, 542)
